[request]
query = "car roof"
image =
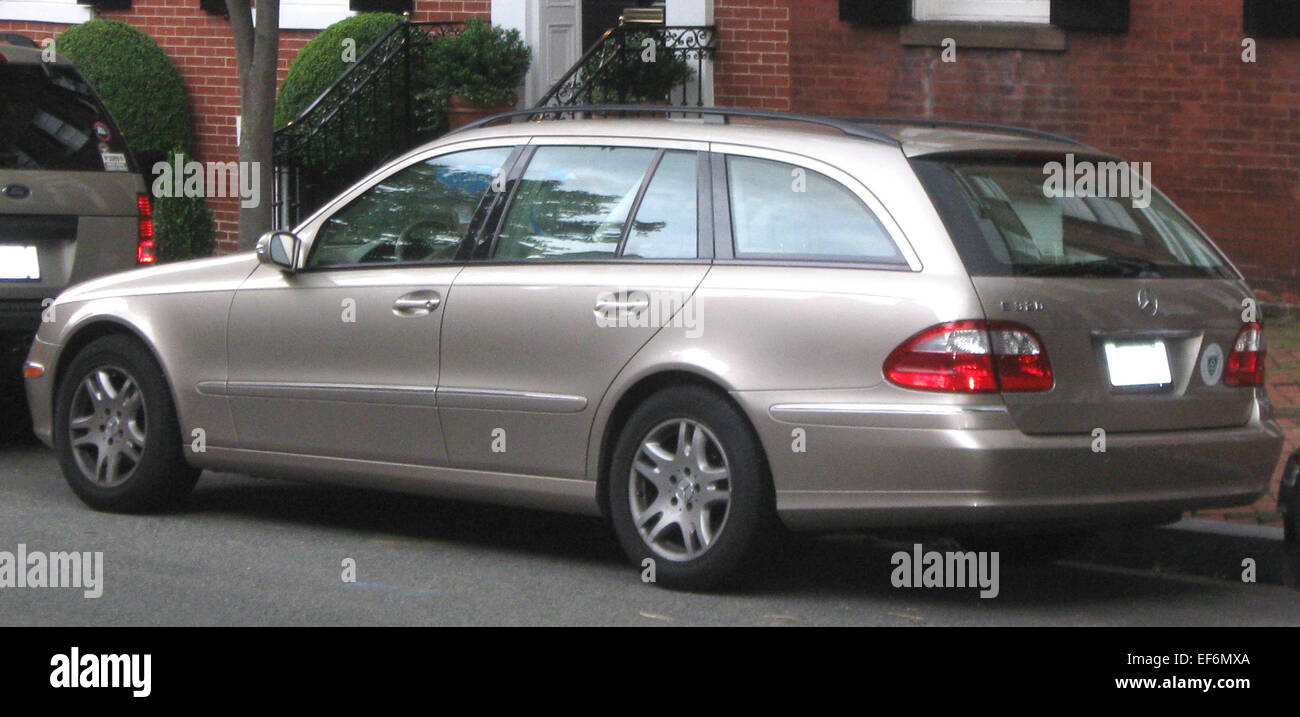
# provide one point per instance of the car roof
(914, 137)
(19, 55)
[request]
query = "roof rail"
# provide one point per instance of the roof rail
(848, 127)
(955, 124)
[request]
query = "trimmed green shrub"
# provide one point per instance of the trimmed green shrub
(182, 226)
(320, 62)
(484, 64)
(137, 82)
(630, 79)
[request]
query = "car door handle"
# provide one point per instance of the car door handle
(633, 302)
(417, 303)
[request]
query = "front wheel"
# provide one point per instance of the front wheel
(690, 491)
(115, 430)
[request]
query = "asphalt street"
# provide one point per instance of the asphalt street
(248, 551)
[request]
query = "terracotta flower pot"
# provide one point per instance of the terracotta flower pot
(461, 111)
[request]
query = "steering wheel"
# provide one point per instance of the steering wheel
(410, 246)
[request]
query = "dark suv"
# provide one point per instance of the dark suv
(72, 201)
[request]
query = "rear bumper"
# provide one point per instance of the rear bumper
(20, 316)
(969, 466)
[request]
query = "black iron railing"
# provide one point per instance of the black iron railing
(383, 104)
(639, 64)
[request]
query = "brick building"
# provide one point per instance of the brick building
(1165, 81)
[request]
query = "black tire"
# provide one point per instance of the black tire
(748, 526)
(161, 477)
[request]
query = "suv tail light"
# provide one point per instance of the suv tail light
(972, 357)
(1246, 362)
(144, 248)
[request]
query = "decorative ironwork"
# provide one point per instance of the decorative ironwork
(380, 106)
(633, 64)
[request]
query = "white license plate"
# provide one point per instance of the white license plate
(19, 262)
(1138, 364)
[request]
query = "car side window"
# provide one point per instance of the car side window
(419, 214)
(667, 221)
(783, 211)
(572, 202)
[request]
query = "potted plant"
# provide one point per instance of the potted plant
(481, 68)
(636, 73)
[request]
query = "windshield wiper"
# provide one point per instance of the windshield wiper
(1115, 266)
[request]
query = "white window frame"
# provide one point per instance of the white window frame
(60, 11)
(312, 14)
(1032, 11)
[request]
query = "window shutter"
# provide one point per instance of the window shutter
(876, 12)
(1272, 18)
(1099, 15)
(394, 6)
(107, 4)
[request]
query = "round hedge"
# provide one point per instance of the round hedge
(136, 80)
(182, 226)
(320, 61)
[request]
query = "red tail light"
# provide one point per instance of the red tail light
(972, 357)
(144, 248)
(1246, 362)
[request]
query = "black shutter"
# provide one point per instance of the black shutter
(1099, 15)
(1271, 18)
(213, 7)
(876, 12)
(394, 6)
(107, 4)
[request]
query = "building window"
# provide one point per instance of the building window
(982, 10)
(60, 11)
(312, 14)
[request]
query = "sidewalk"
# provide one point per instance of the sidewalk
(1283, 376)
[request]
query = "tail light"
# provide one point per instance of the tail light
(144, 248)
(972, 357)
(1246, 362)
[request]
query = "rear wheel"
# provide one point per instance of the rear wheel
(115, 430)
(689, 490)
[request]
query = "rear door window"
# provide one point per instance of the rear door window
(783, 211)
(51, 119)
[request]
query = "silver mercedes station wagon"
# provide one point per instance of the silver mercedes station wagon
(705, 331)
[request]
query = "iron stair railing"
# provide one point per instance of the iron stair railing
(617, 69)
(367, 115)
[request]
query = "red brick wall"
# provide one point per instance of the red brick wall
(1223, 135)
(752, 66)
(202, 48)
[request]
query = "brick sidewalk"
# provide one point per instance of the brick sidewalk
(1283, 376)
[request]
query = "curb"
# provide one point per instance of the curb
(1196, 546)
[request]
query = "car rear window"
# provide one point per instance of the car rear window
(1009, 220)
(51, 119)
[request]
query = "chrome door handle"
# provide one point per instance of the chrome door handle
(630, 302)
(417, 303)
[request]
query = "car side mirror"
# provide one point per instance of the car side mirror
(279, 248)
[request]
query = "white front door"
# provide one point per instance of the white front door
(553, 29)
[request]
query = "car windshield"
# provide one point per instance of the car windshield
(1036, 228)
(50, 119)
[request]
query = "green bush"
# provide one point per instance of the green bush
(182, 226)
(137, 82)
(483, 64)
(630, 79)
(320, 62)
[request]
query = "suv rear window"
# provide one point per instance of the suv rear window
(51, 119)
(1005, 223)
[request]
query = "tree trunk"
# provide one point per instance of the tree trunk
(257, 51)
